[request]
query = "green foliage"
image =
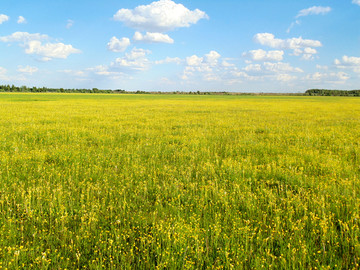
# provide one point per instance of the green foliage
(325, 92)
(23, 89)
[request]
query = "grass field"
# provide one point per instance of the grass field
(179, 182)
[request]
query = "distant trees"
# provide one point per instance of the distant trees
(8, 88)
(24, 89)
(326, 92)
(310, 92)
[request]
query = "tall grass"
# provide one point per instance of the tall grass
(179, 182)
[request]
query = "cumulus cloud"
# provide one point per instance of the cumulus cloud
(21, 20)
(300, 46)
(23, 37)
(269, 67)
(136, 60)
(210, 67)
(152, 38)
(120, 68)
(315, 10)
(169, 60)
(160, 16)
(77, 73)
(261, 55)
(118, 45)
(350, 62)
(268, 39)
(331, 77)
(322, 67)
(101, 70)
(204, 63)
(279, 71)
(212, 58)
(357, 2)
(306, 53)
(3, 18)
(3, 75)
(33, 45)
(27, 69)
(50, 51)
(213, 68)
(285, 77)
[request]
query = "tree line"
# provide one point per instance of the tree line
(25, 89)
(326, 92)
(310, 92)
(13, 88)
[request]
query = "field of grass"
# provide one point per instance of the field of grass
(179, 182)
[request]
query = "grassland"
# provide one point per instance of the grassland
(179, 182)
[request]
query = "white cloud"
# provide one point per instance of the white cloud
(194, 60)
(322, 67)
(152, 38)
(116, 45)
(3, 18)
(159, 16)
(306, 53)
(226, 64)
(349, 62)
(50, 51)
(102, 70)
(27, 69)
(77, 73)
(274, 68)
(3, 75)
(121, 68)
(209, 68)
(21, 20)
(332, 77)
(169, 60)
(269, 71)
(212, 68)
(268, 39)
(300, 46)
(286, 77)
(23, 37)
(135, 60)
(69, 24)
(206, 62)
(261, 55)
(315, 10)
(297, 22)
(280, 67)
(212, 58)
(357, 2)
(33, 45)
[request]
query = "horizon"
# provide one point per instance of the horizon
(264, 47)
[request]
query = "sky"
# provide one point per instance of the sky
(181, 45)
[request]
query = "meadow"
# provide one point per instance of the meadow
(94, 181)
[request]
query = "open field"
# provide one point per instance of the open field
(179, 182)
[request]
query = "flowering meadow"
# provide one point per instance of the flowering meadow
(105, 181)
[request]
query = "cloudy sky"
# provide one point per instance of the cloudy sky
(185, 45)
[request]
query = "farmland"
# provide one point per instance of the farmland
(110, 181)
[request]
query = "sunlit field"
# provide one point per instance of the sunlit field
(179, 182)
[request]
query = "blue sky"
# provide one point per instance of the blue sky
(181, 45)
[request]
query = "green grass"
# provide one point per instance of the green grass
(179, 182)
